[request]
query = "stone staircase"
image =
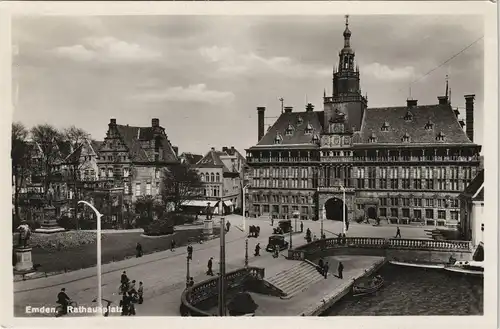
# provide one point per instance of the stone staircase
(296, 279)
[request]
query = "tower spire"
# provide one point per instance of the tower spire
(347, 33)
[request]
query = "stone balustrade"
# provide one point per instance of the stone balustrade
(300, 252)
(191, 297)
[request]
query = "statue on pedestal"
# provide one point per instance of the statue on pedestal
(24, 236)
(49, 196)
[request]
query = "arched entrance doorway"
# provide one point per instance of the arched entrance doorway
(335, 209)
(371, 213)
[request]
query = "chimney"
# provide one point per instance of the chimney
(232, 148)
(288, 109)
(155, 122)
(469, 116)
(309, 107)
(411, 102)
(260, 122)
(112, 122)
(443, 100)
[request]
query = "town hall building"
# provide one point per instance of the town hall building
(401, 164)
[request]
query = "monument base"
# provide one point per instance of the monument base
(24, 263)
(208, 229)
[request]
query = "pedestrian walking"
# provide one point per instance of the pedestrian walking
(326, 267)
(398, 232)
(209, 265)
(140, 292)
(190, 252)
(257, 250)
(228, 226)
(347, 225)
(138, 249)
(301, 227)
(272, 221)
(340, 270)
(172, 245)
(321, 265)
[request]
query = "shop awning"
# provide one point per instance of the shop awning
(196, 203)
(228, 203)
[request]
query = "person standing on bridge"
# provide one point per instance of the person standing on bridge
(172, 245)
(301, 227)
(326, 267)
(398, 232)
(140, 293)
(340, 270)
(209, 265)
(138, 250)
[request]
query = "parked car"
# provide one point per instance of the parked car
(276, 240)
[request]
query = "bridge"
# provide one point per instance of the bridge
(195, 299)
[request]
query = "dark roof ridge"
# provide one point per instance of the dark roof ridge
(409, 108)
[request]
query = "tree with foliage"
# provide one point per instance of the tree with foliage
(48, 138)
(148, 206)
(181, 183)
(20, 157)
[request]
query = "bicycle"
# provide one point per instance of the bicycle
(59, 308)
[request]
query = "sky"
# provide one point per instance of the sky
(204, 76)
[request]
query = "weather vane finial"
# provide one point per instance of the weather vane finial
(346, 20)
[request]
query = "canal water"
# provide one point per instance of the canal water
(416, 291)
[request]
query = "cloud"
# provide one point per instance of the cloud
(106, 49)
(384, 72)
(230, 61)
(198, 93)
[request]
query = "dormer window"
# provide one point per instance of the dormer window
(309, 129)
(278, 139)
(408, 116)
(315, 139)
(385, 126)
(429, 125)
(300, 120)
(289, 130)
(405, 138)
(372, 138)
(440, 137)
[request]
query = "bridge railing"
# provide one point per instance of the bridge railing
(192, 297)
(300, 252)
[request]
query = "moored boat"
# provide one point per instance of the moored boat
(467, 267)
(418, 264)
(367, 286)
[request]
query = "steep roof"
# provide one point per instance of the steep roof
(96, 145)
(133, 135)
(423, 124)
(474, 186)
(296, 123)
(191, 158)
(213, 159)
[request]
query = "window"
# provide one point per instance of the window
(125, 172)
(137, 189)
(126, 189)
(417, 202)
(441, 214)
(158, 188)
(385, 126)
(372, 139)
(285, 209)
(417, 214)
(305, 210)
(372, 173)
(383, 212)
(454, 203)
(405, 138)
(217, 177)
(315, 139)
(429, 125)
(103, 173)
(429, 213)
(406, 212)
(383, 177)
(454, 179)
(406, 178)
(265, 208)
(300, 120)
(212, 177)
(440, 137)
(309, 129)
(148, 188)
(406, 202)
(278, 139)
(256, 209)
(408, 116)
(394, 212)
(157, 173)
(383, 201)
(429, 202)
(454, 215)
(361, 177)
(394, 201)
(110, 173)
(289, 130)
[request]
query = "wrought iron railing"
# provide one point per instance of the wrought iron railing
(192, 297)
(300, 252)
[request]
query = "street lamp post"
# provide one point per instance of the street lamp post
(187, 272)
(243, 206)
(343, 210)
(99, 270)
(323, 213)
(246, 252)
(222, 267)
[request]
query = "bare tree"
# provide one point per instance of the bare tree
(48, 138)
(180, 184)
(77, 137)
(20, 157)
